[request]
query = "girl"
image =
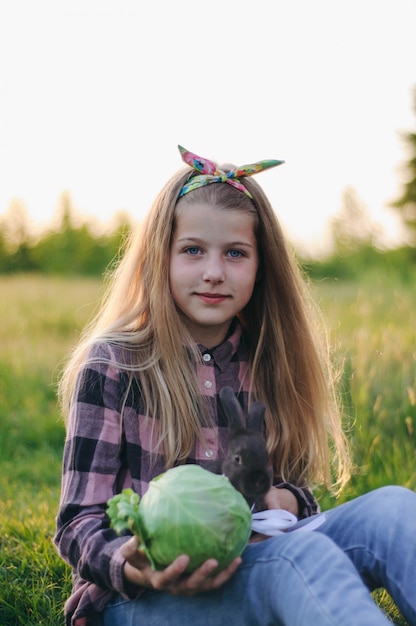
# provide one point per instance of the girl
(207, 296)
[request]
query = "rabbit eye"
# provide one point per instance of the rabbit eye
(237, 459)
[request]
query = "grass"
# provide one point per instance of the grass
(374, 341)
(41, 318)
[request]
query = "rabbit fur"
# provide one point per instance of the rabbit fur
(246, 463)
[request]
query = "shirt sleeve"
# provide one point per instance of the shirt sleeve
(91, 475)
(307, 502)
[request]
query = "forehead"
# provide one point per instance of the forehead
(204, 216)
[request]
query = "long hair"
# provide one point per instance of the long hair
(289, 365)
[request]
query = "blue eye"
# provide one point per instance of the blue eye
(235, 254)
(193, 250)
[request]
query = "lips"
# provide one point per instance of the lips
(212, 298)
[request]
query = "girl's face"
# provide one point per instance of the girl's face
(213, 268)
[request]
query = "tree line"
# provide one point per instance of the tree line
(76, 248)
(67, 248)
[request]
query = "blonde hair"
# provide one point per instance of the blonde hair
(289, 365)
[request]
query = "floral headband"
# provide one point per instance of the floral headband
(208, 172)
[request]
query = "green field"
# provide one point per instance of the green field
(373, 337)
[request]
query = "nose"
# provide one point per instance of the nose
(214, 270)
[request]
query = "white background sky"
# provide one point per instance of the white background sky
(95, 95)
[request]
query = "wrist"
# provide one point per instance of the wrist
(289, 501)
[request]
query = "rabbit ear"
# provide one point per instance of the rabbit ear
(232, 408)
(255, 418)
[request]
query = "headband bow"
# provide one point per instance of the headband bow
(208, 172)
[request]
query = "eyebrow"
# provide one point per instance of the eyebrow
(199, 240)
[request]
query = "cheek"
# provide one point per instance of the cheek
(251, 275)
(174, 291)
(245, 284)
(176, 269)
(178, 277)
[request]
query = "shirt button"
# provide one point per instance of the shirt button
(206, 357)
(209, 453)
(208, 384)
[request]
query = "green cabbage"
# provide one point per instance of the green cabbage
(186, 510)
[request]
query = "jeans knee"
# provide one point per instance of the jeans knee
(388, 501)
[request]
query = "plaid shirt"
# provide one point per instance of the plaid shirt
(104, 454)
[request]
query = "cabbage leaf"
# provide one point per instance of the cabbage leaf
(186, 510)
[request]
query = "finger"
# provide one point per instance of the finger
(130, 547)
(136, 575)
(219, 579)
(204, 578)
(133, 555)
(168, 578)
(199, 577)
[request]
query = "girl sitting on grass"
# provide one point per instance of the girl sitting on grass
(207, 296)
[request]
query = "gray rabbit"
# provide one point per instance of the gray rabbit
(246, 463)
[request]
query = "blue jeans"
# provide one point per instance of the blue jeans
(318, 578)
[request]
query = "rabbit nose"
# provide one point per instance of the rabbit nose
(260, 483)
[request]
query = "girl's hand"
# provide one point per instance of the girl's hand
(277, 499)
(173, 579)
(281, 499)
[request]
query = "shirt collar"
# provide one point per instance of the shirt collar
(224, 352)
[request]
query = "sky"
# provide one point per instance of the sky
(95, 96)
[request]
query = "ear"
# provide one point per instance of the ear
(255, 418)
(232, 408)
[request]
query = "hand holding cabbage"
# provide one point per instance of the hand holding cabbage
(186, 510)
